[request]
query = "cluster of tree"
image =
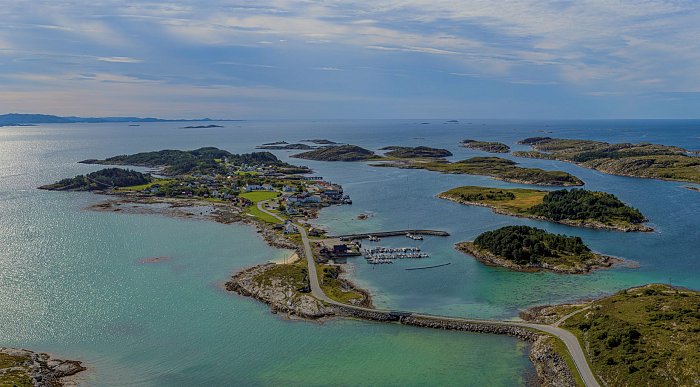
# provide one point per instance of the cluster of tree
(580, 204)
(487, 146)
(489, 195)
(103, 179)
(524, 244)
(204, 160)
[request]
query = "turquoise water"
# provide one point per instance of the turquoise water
(70, 281)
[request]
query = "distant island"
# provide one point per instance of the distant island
(415, 152)
(338, 153)
(492, 147)
(577, 207)
(202, 126)
(207, 160)
(524, 248)
(643, 336)
(16, 119)
(636, 160)
(284, 146)
(321, 142)
(101, 180)
(496, 167)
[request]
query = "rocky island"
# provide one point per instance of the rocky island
(646, 335)
(338, 153)
(524, 248)
(635, 160)
(576, 207)
(407, 152)
(285, 146)
(496, 167)
(486, 146)
(23, 368)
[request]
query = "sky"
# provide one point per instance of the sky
(284, 59)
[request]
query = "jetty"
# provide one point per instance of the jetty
(384, 234)
(429, 267)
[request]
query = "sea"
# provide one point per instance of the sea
(73, 282)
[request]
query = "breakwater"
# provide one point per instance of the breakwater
(384, 234)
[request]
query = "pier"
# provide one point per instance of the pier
(384, 234)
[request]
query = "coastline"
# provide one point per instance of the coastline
(567, 222)
(40, 369)
(485, 257)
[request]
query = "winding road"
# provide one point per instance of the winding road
(568, 338)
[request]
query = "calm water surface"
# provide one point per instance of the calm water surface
(71, 282)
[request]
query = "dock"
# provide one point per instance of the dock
(384, 234)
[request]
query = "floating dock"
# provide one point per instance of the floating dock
(384, 234)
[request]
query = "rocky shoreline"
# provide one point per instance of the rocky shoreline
(573, 223)
(550, 366)
(485, 257)
(40, 369)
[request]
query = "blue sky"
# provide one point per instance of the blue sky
(351, 59)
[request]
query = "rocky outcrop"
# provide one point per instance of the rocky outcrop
(552, 369)
(282, 297)
(40, 368)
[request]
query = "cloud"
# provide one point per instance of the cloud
(119, 59)
(325, 69)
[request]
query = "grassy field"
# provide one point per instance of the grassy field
(336, 289)
(17, 377)
(145, 186)
(254, 211)
(523, 198)
(643, 336)
(294, 275)
(259, 196)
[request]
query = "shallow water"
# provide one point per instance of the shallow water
(71, 282)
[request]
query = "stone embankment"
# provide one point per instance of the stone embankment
(40, 368)
(551, 367)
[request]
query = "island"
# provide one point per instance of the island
(486, 146)
(496, 167)
(647, 335)
(100, 180)
(576, 207)
(321, 141)
(338, 153)
(207, 160)
(284, 146)
(524, 248)
(202, 126)
(21, 367)
(636, 160)
(405, 152)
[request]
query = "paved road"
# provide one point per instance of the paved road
(571, 342)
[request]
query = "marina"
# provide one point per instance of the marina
(386, 255)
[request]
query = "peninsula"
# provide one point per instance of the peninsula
(496, 167)
(645, 335)
(576, 207)
(486, 146)
(636, 160)
(100, 180)
(524, 248)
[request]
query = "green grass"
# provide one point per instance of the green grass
(523, 201)
(335, 288)
(259, 196)
(254, 211)
(560, 348)
(294, 275)
(14, 378)
(642, 336)
(145, 186)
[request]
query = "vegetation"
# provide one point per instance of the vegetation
(638, 160)
(338, 289)
(529, 248)
(407, 152)
(338, 153)
(295, 275)
(576, 207)
(259, 196)
(496, 167)
(648, 335)
(14, 371)
(486, 146)
(208, 160)
(100, 180)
